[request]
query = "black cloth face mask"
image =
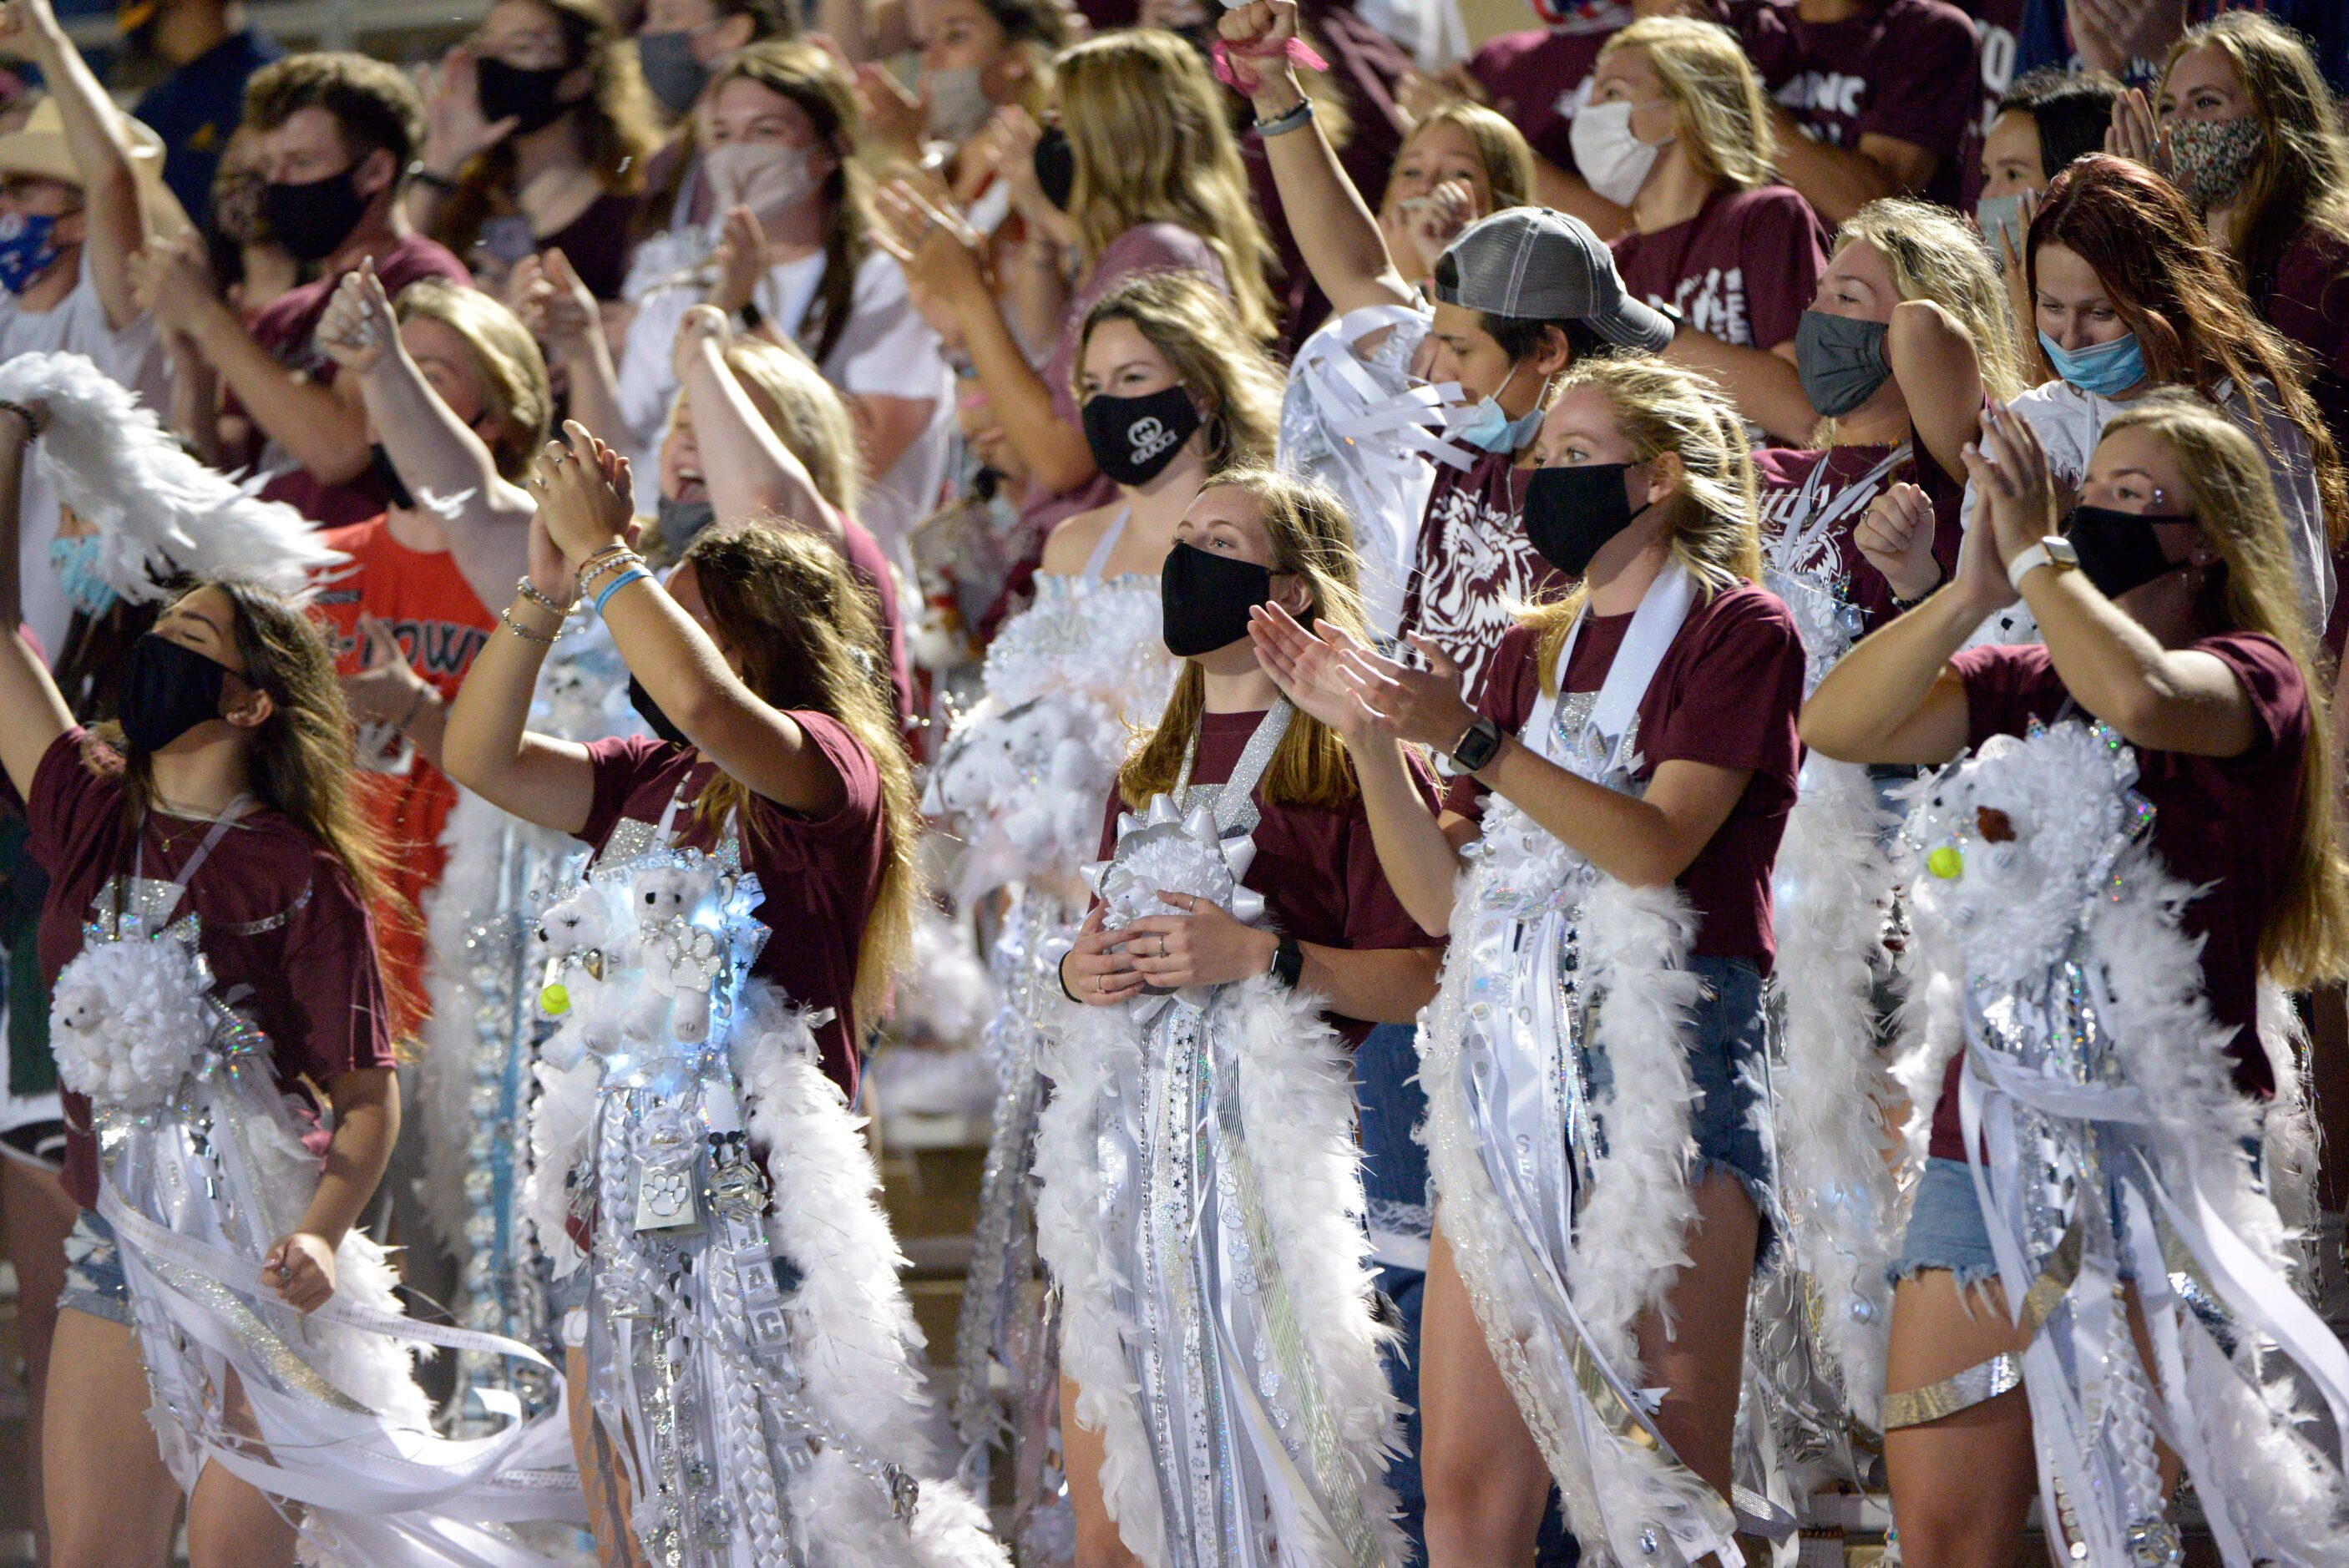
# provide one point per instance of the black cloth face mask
(1205, 599)
(1056, 166)
(1839, 361)
(167, 689)
(1570, 514)
(313, 221)
(526, 96)
(650, 712)
(2118, 551)
(1133, 438)
(386, 474)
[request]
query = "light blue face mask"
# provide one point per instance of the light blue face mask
(1999, 218)
(75, 561)
(1488, 427)
(2107, 369)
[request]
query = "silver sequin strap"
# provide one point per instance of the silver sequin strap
(1235, 798)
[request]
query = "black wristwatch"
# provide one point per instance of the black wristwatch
(1287, 963)
(1476, 749)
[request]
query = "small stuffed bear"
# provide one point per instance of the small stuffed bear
(579, 924)
(682, 960)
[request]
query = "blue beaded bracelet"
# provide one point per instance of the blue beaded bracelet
(616, 584)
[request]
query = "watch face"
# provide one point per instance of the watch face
(2060, 550)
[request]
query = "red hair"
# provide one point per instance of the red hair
(2177, 293)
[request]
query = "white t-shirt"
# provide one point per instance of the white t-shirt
(134, 357)
(887, 350)
(2069, 423)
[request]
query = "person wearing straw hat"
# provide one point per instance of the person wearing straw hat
(81, 191)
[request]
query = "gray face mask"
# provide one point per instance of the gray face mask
(1999, 218)
(672, 73)
(1840, 361)
(679, 521)
(958, 104)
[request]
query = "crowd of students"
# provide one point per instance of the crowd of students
(1627, 740)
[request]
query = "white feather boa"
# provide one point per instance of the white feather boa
(1833, 1102)
(1296, 1109)
(157, 512)
(1629, 1233)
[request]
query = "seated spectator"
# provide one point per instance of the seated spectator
(977, 56)
(1678, 133)
(680, 45)
(1874, 96)
(536, 133)
(195, 108)
(455, 396)
(2047, 118)
(81, 190)
(338, 132)
(798, 260)
(1460, 163)
(1540, 80)
(1186, 206)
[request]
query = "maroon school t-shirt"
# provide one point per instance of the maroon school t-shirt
(1784, 471)
(1726, 694)
(2219, 823)
(818, 876)
(1472, 566)
(1317, 868)
(1905, 70)
(1536, 81)
(290, 942)
(285, 328)
(1744, 269)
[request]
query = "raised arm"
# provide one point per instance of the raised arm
(1940, 373)
(1840, 180)
(1333, 225)
(582, 496)
(485, 520)
(748, 469)
(101, 147)
(1761, 382)
(33, 713)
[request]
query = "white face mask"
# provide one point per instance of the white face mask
(767, 177)
(1612, 159)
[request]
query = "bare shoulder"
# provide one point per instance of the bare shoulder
(1072, 541)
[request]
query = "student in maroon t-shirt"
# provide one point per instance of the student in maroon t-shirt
(1677, 131)
(1539, 79)
(1874, 96)
(1649, 467)
(1911, 297)
(338, 134)
(228, 712)
(2198, 657)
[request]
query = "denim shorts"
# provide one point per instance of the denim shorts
(1725, 1037)
(94, 1280)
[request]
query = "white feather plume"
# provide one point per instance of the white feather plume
(159, 511)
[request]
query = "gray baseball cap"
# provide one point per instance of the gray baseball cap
(1540, 265)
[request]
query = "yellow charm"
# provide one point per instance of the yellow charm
(1946, 863)
(556, 999)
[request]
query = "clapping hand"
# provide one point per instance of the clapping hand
(359, 326)
(739, 260)
(454, 131)
(384, 688)
(1422, 706)
(583, 490)
(2136, 133)
(171, 279)
(936, 248)
(560, 311)
(1309, 669)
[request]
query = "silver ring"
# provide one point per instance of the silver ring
(1161, 947)
(1100, 983)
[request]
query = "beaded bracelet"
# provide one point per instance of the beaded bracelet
(529, 590)
(601, 560)
(611, 563)
(524, 632)
(622, 580)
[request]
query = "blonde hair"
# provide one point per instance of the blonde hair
(506, 359)
(1712, 521)
(1310, 537)
(2303, 175)
(2305, 938)
(810, 638)
(1933, 255)
(806, 411)
(1501, 148)
(1719, 110)
(1147, 128)
(1190, 322)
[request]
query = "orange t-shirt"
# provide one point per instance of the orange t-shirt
(440, 624)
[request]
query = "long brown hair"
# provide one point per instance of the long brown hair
(1147, 132)
(1311, 538)
(301, 758)
(2302, 176)
(2180, 295)
(616, 129)
(821, 86)
(1190, 321)
(2305, 940)
(809, 638)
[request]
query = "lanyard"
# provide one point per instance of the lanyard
(179, 884)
